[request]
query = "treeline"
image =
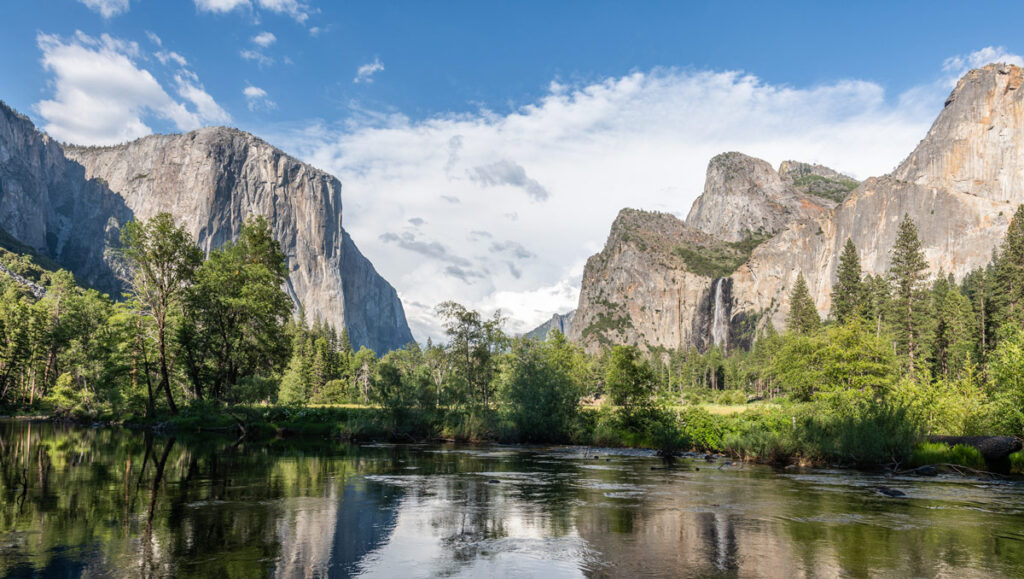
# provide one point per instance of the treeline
(899, 355)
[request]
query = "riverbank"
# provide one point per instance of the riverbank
(774, 434)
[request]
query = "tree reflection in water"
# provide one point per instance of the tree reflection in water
(109, 502)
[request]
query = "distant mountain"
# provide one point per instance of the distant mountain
(727, 271)
(69, 203)
(558, 322)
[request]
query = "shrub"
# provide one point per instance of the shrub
(938, 453)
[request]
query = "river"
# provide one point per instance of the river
(87, 502)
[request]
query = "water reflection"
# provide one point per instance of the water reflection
(85, 502)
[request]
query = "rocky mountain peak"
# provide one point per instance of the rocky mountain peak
(745, 197)
(976, 145)
(817, 180)
(70, 202)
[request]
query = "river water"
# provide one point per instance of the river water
(81, 502)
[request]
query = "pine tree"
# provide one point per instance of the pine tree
(848, 293)
(803, 316)
(907, 273)
(1009, 272)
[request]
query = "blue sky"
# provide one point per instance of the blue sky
(487, 146)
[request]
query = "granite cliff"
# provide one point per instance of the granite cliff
(560, 322)
(960, 185)
(69, 203)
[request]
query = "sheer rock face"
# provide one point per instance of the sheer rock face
(745, 197)
(210, 180)
(48, 205)
(638, 290)
(560, 322)
(961, 185)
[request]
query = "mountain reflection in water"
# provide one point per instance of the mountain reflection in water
(109, 502)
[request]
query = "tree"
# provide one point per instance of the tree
(474, 344)
(908, 270)
(848, 293)
(236, 313)
(540, 398)
(1009, 273)
(630, 383)
(951, 335)
(803, 316)
(163, 259)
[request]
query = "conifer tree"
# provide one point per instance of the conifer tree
(1009, 272)
(848, 293)
(803, 316)
(907, 273)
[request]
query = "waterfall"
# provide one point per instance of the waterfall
(720, 318)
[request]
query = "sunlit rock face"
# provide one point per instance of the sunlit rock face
(960, 185)
(70, 202)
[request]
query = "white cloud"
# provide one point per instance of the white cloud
(190, 89)
(165, 56)
(264, 39)
(154, 38)
(102, 96)
(107, 8)
(640, 140)
(257, 57)
(220, 6)
(299, 11)
(257, 99)
(365, 73)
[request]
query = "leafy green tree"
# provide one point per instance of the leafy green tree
(841, 358)
(803, 316)
(848, 292)
(474, 344)
(908, 271)
(540, 398)
(236, 313)
(163, 259)
(630, 384)
(1006, 374)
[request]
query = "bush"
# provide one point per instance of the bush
(938, 453)
(1017, 462)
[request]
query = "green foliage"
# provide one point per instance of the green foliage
(1017, 462)
(629, 381)
(803, 317)
(1006, 373)
(831, 188)
(540, 398)
(235, 314)
(838, 359)
(719, 260)
(928, 453)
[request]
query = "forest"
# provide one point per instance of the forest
(212, 342)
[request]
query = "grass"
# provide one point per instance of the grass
(1017, 462)
(938, 453)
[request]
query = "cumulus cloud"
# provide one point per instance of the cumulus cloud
(506, 172)
(257, 99)
(264, 39)
(103, 96)
(220, 6)
(299, 11)
(365, 73)
(956, 66)
(107, 8)
(638, 140)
